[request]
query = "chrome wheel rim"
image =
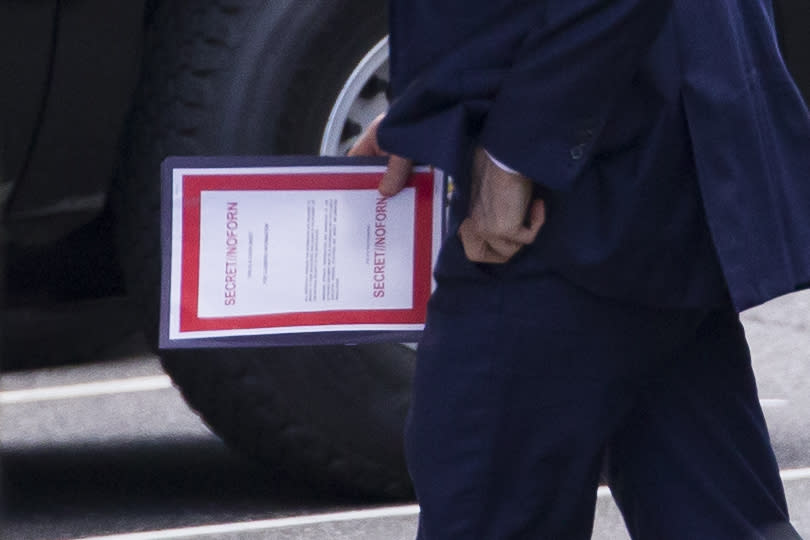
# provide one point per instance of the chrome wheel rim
(361, 99)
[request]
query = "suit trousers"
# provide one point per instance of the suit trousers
(528, 389)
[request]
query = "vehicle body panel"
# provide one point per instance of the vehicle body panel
(62, 164)
(26, 44)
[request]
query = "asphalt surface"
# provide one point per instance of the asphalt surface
(109, 448)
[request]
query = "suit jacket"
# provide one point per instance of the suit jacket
(644, 123)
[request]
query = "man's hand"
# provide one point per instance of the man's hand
(399, 168)
(502, 218)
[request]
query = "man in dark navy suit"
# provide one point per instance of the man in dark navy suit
(630, 174)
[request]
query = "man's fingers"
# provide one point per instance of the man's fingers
(504, 247)
(523, 234)
(475, 247)
(367, 144)
(396, 176)
(399, 168)
(537, 217)
(482, 246)
(520, 234)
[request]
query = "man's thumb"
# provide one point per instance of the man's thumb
(396, 176)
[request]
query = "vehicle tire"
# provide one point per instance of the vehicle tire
(233, 77)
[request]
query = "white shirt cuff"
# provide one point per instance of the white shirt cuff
(500, 164)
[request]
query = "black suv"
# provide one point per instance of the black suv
(95, 94)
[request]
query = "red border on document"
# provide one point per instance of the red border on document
(195, 184)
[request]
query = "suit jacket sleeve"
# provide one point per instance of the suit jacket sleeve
(531, 81)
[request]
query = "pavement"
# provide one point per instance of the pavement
(109, 450)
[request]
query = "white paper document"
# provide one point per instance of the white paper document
(285, 254)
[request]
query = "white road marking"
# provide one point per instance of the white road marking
(281, 523)
(317, 519)
(146, 384)
(795, 474)
(772, 403)
(118, 386)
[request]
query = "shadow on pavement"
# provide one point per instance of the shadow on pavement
(69, 491)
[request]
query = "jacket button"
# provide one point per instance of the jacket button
(578, 152)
